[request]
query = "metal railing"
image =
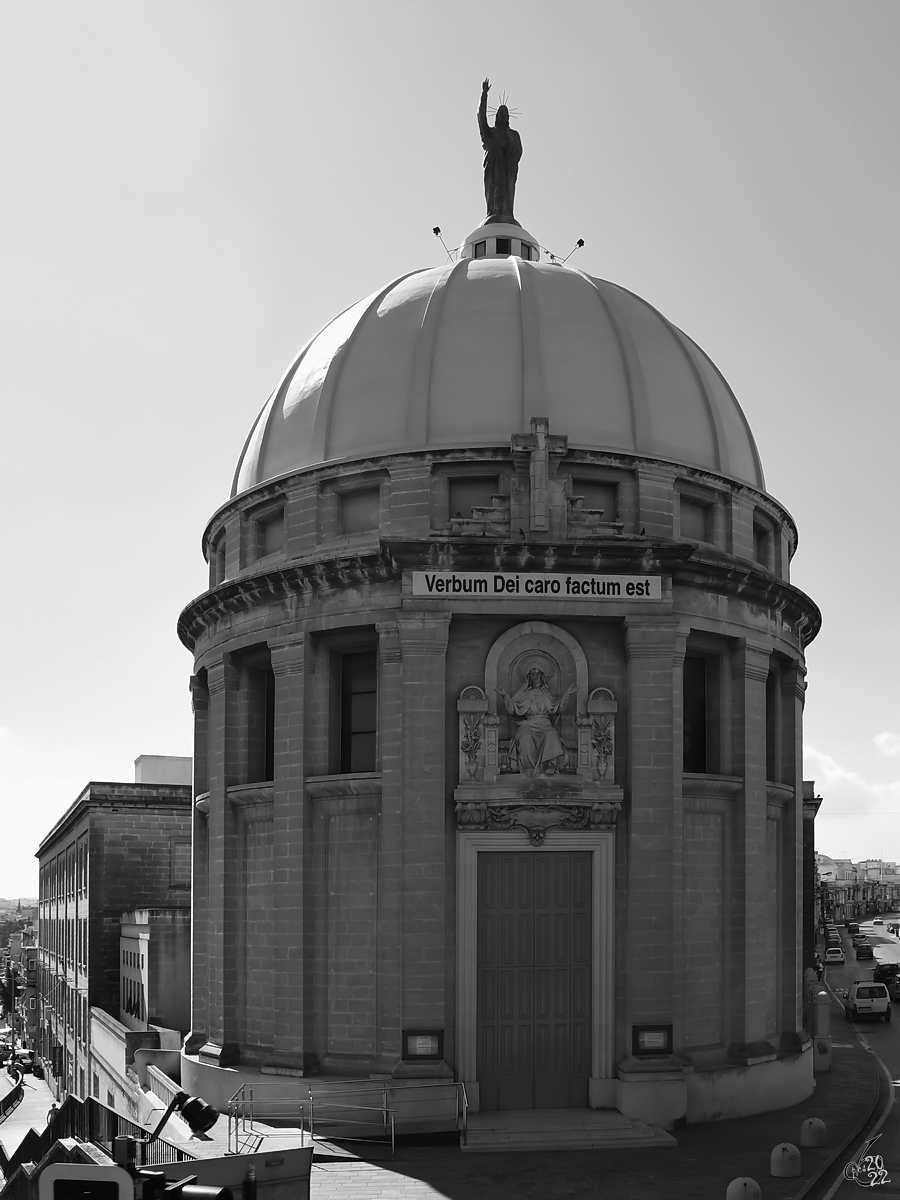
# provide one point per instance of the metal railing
(88, 1121)
(352, 1122)
(358, 1110)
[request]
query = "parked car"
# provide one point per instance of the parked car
(867, 1000)
(24, 1060)
(864, 951)
(834, 954)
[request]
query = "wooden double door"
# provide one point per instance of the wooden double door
(534, 979)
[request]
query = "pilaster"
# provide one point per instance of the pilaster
(754, 955)
(653, 649)
(290, 848)
(390, 875)
(423, 650)
(221, 1047)
(199, 869)
(793, 689)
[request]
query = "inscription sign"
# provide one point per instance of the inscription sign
(526, 585)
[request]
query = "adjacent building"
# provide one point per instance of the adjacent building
(119, 848)
(498, 700)
(847, 889)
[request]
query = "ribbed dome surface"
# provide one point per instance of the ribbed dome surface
(466, 355)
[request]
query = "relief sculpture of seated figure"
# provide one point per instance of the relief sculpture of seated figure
(535, 748)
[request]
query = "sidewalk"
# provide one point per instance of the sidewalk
(31, 1113)
(702, 1165)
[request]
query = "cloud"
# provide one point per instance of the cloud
(888, 743)
(846, 792)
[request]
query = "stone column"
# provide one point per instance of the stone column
(221, 1047)
(793, 690)
(653, 1090)
(423, 649)
(289, 663)
(199, 869)
(754, 958)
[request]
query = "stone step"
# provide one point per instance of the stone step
(560, 1129)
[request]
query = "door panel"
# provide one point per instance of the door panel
(534, 934)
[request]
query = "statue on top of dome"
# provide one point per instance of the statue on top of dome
(502, 151)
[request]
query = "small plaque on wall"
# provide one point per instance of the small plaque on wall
(422, 1045)
(651, 1041)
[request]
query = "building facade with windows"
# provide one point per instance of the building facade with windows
(498, 699)
(120, 846)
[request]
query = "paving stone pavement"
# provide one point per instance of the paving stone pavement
(701, 1166)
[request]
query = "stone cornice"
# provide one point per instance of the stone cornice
(329, 573)
(725, 787)
(335, 787)
(687, 565)
(310, 579)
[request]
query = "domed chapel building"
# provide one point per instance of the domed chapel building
(498, 696)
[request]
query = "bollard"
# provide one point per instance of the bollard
(813, 1133)
(743, 1188)
(784, 1161)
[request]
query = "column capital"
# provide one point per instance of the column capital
(653, 637)
(793, 682)
(751, 662)
(423, 633)
(221, 674)
(199, 694)
(388, 641)
(288, 658)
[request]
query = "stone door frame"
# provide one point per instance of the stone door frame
(601, 845)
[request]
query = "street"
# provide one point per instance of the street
(884, 1040)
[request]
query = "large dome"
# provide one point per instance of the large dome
(465, 355)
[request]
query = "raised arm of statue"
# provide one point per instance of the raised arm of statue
(483, 126)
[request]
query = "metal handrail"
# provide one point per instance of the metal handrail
(386, 1114)
(243, 1106)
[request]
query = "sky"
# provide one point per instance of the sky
(192, 188)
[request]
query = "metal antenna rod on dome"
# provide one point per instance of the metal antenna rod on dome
(577, 246)
(437, 233)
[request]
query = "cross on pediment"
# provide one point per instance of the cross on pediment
(539, 445)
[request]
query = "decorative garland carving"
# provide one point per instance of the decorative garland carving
(536, 819)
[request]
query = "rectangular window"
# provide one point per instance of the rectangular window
(695, 520)
(217, 561)
(480, 249)
(694, 715)
(360, 511)
(526, 251)
(597, 496)
(762, 544)
(503, 245)
(270, 534)
(257, 708)
(471, 491)
(359, 706)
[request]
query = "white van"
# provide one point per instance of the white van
(867, 999)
